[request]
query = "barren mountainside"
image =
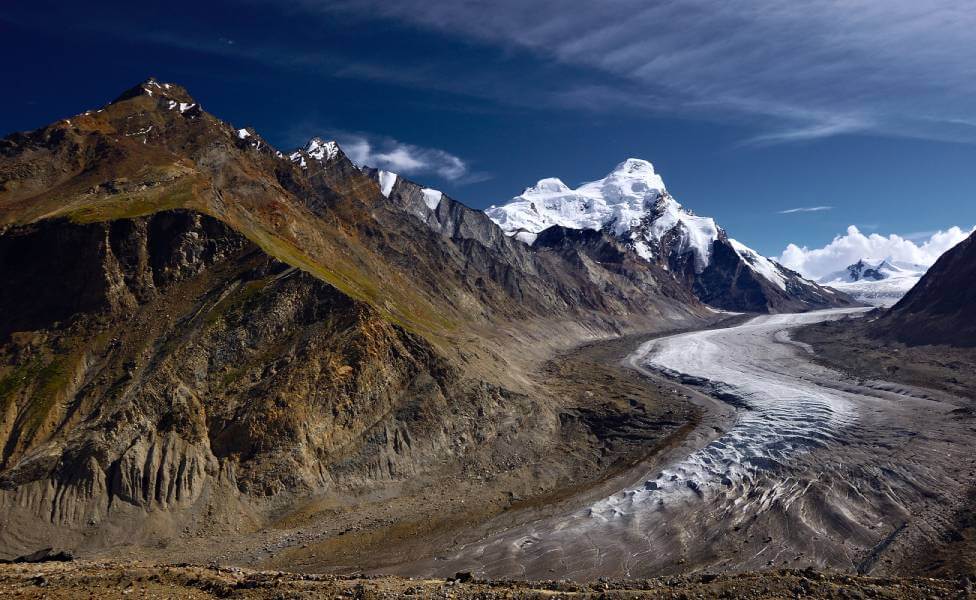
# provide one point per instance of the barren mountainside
(941, 308)
(198, 331)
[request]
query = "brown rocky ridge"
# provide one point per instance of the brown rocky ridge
(200, 336)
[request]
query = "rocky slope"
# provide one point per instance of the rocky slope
(193, 365)
(198, 331)
(633, 205)
(941, 308)
(625, 283)
(141, 579)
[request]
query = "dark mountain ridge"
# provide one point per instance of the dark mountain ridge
(941, 307)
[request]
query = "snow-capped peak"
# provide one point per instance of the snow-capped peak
(640, 169)
(863, 270)
(322, 150)
(316, 149)
(618, 200)
(877, 281)
(548, 185)
(631, 202)
(874, 269)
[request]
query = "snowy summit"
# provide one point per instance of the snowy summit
(316, 149)
(633, 205)
(631, 202)
(880, 282)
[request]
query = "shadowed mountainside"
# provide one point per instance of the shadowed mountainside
(941, 308)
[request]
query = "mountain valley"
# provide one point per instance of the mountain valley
(200, 330)
(213, 351)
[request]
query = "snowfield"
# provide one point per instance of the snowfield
(883, 293)
(432, 198)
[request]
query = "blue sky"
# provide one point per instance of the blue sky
(747, 109)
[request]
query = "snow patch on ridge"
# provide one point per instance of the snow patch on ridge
(696, 234)
(387, 181)
(320, 150)
(432, 198)
(764, 267)
(297, 157)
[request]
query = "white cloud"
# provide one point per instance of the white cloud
(405, 159)
(804, 209)
(401, 159)
(854, 245)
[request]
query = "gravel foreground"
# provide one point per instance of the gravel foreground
(104, 580)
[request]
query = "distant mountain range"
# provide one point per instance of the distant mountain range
(632, 205)
(880, 282)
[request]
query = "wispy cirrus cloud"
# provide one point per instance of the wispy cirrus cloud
(804, 209)
(806, 69)
(792, 71)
